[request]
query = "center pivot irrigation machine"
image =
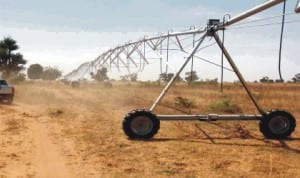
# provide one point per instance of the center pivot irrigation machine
(275, 124)
(144, 124)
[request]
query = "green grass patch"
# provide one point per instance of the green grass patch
(225, 106)
(185, 103)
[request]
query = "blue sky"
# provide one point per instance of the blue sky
(70, 32)
(114, 15)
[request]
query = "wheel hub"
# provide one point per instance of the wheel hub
(142, 125)
(279, 124)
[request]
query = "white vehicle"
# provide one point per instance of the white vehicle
(6, 92)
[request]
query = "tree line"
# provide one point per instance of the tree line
(36, 71)
(12, 65)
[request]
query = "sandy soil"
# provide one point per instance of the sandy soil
(53, 130)
(27, 149)
(47, 157)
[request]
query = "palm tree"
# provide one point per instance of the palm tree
(9, 61)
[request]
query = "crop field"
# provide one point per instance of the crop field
(54, 130)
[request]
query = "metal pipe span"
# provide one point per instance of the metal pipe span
(252, 11)
(210, 117)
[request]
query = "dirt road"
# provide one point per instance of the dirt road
(53, 130)
(28, 150)
(47, 158)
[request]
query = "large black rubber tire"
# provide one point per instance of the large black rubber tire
(277, 124)
(140, 124)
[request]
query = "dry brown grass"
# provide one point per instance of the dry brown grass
(15, 144)
(86, 122)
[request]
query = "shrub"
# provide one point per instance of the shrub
(226, 106)
(101, 74)
(17, 78)
(51, 73)
(184, 102)
(75, 84)
(35, 71)
(107, 84)
(150, 83)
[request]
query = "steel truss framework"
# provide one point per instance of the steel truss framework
(276, 124)
(134, 56)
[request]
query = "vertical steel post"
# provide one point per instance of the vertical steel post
(192, 63)
(127, 58)
(281, 41)
(237, 72)
(160, 59)
(144, 53)
(165, 90)
(168, 44)
(222, 59)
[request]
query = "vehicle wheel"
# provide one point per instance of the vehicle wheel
(277, 124)
(140, 124)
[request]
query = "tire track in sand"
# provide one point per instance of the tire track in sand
(47, 158)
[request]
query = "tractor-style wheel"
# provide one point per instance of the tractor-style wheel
(277, 124)
(140, 124)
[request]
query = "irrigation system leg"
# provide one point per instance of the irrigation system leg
(237, 72)
(165, 90)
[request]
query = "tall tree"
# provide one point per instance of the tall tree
(266, 79)
(191, 76)
(165, 76)
(101, 74)
(10, 62)
(35, 71)
(168, 76)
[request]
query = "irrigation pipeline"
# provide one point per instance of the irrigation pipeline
(263, 25)
(264, 19)
(163, 46)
